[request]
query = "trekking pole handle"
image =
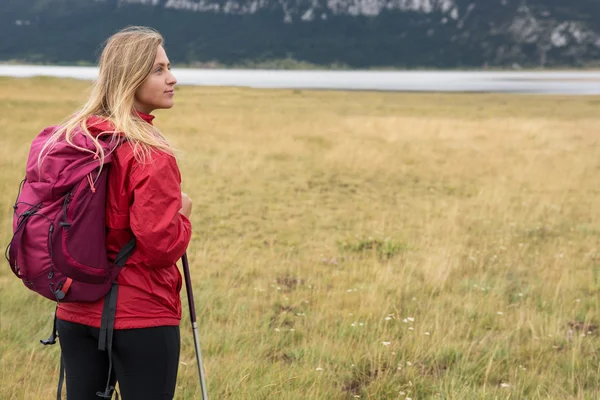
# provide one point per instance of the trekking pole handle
(188, 286)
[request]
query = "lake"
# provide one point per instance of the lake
(568, 82)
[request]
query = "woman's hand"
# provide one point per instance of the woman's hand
(186, 208)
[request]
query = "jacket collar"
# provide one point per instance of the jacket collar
(98, 125)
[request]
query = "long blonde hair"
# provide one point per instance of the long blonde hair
(125, 63)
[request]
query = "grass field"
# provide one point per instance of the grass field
(360, 245)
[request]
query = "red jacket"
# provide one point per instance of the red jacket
(142, 200)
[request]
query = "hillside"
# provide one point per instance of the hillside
(352, 33)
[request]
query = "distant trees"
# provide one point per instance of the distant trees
(454, 34)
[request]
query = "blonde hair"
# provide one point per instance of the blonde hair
(126, 61)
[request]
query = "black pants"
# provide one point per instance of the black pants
(145, 361)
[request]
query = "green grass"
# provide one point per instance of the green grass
(379, 245)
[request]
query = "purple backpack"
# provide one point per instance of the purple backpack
(58, 247)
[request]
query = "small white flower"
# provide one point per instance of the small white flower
(402, 394)
(500, 313)
(578, 300)
(504, 385)
(386, 343)
(411, 319)
(388, 318)
(276, 329)
(411, 329)
(354, 324)
(361, 324)
(319, 369)
(349, 290)
(405, 321)
(292, 330)
(427, 333)
(408, 363)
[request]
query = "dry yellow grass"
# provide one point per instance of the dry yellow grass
(360, 245)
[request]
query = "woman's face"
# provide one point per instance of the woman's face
(157, 90)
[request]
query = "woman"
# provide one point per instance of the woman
(144, 200)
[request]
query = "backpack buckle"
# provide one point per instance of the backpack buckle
(52, 338)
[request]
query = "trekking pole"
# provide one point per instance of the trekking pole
(190, 295)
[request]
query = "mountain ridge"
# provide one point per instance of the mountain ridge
(351, 33)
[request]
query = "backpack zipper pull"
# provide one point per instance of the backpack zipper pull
(50, 231)
(91, 181)
(64, 222)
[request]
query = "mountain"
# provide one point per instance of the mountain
(345, 33)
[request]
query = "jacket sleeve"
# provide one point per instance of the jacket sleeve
(162, 233)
